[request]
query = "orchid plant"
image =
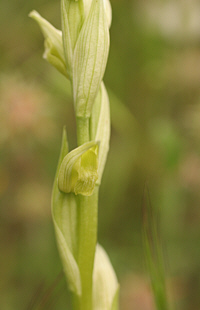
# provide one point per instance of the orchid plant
(80, 53)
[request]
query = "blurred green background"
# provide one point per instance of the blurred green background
(153, 78)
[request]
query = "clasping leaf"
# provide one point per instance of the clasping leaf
(64, 213)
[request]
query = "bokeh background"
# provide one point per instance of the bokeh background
(153, 78)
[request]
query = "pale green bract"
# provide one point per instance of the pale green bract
(90, 58)
(100, 127)
(78, 171)
(107, 6)
(72, 19)
(74, 15)
(105, 284)
(64, 212)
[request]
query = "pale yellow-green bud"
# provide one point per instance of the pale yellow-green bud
(51, 55)
(78, 171)
(54, 52)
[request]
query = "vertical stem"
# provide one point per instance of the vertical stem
(87, 225)
(88, 209)
(82, 127)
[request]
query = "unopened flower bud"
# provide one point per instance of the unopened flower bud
(78, 171)
(54, 52)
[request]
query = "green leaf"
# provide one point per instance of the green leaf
(105, 284)
(100, 127)
(78, 171)
(64, 213)
(54, 52)
(90, 58)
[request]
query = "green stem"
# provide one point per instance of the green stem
(82, 125)
(87, 226)
(88, 209)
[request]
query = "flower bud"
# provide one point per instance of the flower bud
(50, 54)
(78, 171)
(54, 52)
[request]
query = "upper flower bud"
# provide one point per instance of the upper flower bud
(78, 171)
(54, 52)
